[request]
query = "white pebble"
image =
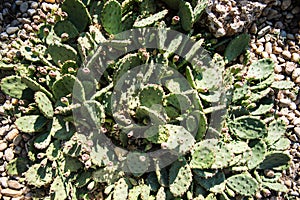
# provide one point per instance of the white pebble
(11, 30)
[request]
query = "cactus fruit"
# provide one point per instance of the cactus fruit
(150, 20)
(77, 13)
(111, 17)
(236, 47)
(243, 184)
(180, 178)
(31, 123)
(44, 104)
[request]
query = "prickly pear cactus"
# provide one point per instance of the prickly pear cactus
(99, 123)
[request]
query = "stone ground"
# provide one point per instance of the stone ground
(275, 34)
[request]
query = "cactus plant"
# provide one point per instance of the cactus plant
(150, 20)
(243, 184)
(111, 17)
(44, 104)
(236, 47)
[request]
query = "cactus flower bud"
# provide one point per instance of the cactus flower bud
(175, 20)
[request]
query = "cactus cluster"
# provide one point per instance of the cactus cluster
(214, 159)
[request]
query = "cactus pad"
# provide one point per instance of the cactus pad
(44, 104)
(202, 157)
(259, 149)
(42, 141)
(260, 69)
(61, 53)
(243, 184)
(186, 15)
(31, 123)
(121, 190)
(111, 17)
(150, 20)
(77, 13)
(236, 47)
(13, 86)
(180, 178)
(249, 128)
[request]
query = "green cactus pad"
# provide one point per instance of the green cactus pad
(150, 95)
(83, 178)
(39, 176)
(77, 13)
(63, 86)
(61, 53)
(215, 184)
(155, 114)
(44, 104)
(70, 164)
(200, 8)
(180, 101)
(66, 27)
(248, 128)
(180, 178)
(31, 123)
(260, 69)
(111, 17)
(53, 151)
(108, 175)
(13, 86)
(61, 129)
(223, 157)
(186, 15)
(58, 189)
(35, 86)
(236, 47)
(275, 160)
(281, 145)
(239, 93)
(276, 187)
(180, 139)
(17, 166)
(259, 149)
(42, 141)
(150, 20)
(276, 130)
(161, 194)
(202, 158)
(282, 85)
(137, 163)
(243, 184)
(121, 190)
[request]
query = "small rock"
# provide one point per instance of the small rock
(279, 25)
(3, 145)
(293, 137)
(3, 181)
(18, 3)
(288, 183)
(34, 5)
(4, 129)
(9, 154)
(286, 54)
(11, 135)
(277, 50)
(296, 121)
(295, 57)
(285, 101)
(296, 73)
(264, 31)
(277, 68)
(265, 54)
(290, 67)
(290, 36)
(14, 184)
(297, 131)
(31, 12)
(11, 30)
(24, 7)
(269, 173)
(285, 4)
(17, 140)
(273, 57)
(296, 10)
(293, 106)
(259, 49)
(253, 28)
(268, 47)
(11, 193)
